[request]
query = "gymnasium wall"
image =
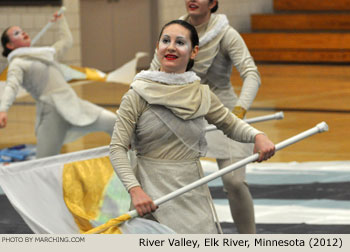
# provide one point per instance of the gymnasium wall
(238, 11)
(33, 18)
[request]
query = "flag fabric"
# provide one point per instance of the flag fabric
(71, 193)
(84, 75)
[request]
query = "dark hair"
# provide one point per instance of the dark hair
(215, 8)
(193, 36)
(4, 40)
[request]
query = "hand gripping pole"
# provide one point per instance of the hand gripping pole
(319, 128)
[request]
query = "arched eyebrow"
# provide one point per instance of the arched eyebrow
(178, 37)
(181, 37)
(165, 35)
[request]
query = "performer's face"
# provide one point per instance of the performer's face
(174, 49)
(199, 7)
(18, 38)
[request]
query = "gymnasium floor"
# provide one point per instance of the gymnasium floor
(305, 188)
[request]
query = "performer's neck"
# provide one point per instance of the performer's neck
(198, 20)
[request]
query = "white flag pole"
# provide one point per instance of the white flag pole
(46, 27)
(319, 128)
(275, 116)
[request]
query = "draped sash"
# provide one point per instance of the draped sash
(158, 123)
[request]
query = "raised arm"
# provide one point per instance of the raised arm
(65, 37)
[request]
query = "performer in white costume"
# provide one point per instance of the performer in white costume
(61, 115)
(162, 118)
(220, 48)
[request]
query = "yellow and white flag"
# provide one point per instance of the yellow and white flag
(85, 75)
(71, 193)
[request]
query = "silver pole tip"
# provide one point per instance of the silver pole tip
(279, 115)
(322, 127)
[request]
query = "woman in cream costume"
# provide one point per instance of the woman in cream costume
(61, 115)
(162, 118)
(220, 48)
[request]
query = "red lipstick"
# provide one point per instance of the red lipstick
(170, 57)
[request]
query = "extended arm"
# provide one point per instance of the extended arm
(13, 82)
(130, 109)
(239, 130)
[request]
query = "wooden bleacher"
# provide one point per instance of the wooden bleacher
(302, 31)
(312, 5)
(301, 22)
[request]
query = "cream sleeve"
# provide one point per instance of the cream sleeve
(128, 113)
(65, 38)
(230, 124)
(14, 80)
(155, 64)
(238, 52)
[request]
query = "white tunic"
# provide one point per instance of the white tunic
(173, 161)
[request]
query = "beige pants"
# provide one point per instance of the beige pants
(240, 199)
(52, 130)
